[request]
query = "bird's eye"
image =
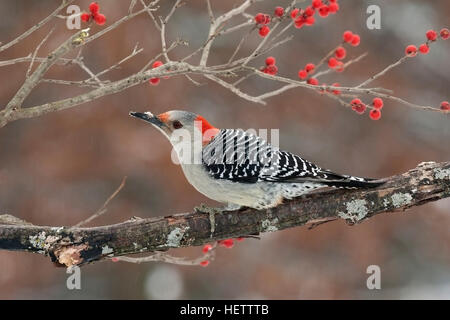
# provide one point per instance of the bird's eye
(177, 124)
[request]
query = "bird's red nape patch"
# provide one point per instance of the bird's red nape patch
(208, 131)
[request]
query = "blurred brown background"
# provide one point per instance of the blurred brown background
(59, 168)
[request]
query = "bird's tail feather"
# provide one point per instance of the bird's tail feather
(352, 183)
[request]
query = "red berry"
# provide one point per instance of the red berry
(157, 64)
(375, 114)
(309, 11)
(431, 35)
(85, 17)
(444, 33)
(347, 36)
(114, 259)
(317, 3)
(266, 19)
(294, 13)
(302, 74)
(299, 22)
(411, 50)
(424, 48)
(355, 101)
(445, 106)
(272, 70)
(340, 53)
(206, 248)
(340, 66)
(260, 18)
(332, 62)
(264, 31)
(94, 7)
(358, 106)
(100, 19)
(154, 81)
(324, 11)
(333, 7)
(204, 263)
(313, 81)
(335, 91)
(227, 243)
(377, 103)
(309, 67)
(270, 61)
(309, 21)
(279, 11)
(355, 40)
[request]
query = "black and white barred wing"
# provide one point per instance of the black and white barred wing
(242, 157)
(235, 155)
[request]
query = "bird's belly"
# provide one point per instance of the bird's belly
(222, 190)
(257, 195)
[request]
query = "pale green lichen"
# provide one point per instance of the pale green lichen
(442, 173)
(57, 229)
(106, 250)
(174, 237)
(356, 210)
(269, 225)
(401, 199)
(42, 241)
(38, 241)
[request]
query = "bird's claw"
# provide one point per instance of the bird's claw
(203, 208)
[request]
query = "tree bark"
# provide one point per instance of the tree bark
(77, 246)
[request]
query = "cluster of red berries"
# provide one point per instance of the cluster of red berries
(263, 20)
(94, 8)
(155, 81)
(306, 16)
(445, 106)
(227, 243)
(334, 62)
(359, 107)
(351, 38)
(424, 48)
(270, 67)
(307, 70)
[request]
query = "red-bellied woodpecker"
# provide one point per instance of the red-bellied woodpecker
(241, 169)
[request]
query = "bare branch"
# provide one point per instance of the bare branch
(68, 45)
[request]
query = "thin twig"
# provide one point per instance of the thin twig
(384, 71)
(103, 208)
(167, 258)
(36, 51)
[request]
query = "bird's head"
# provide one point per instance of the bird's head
(179, 122)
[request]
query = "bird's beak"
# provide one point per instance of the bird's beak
(149, 117)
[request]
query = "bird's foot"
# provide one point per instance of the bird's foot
(203, 208)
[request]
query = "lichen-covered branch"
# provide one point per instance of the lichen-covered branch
(77, 246)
